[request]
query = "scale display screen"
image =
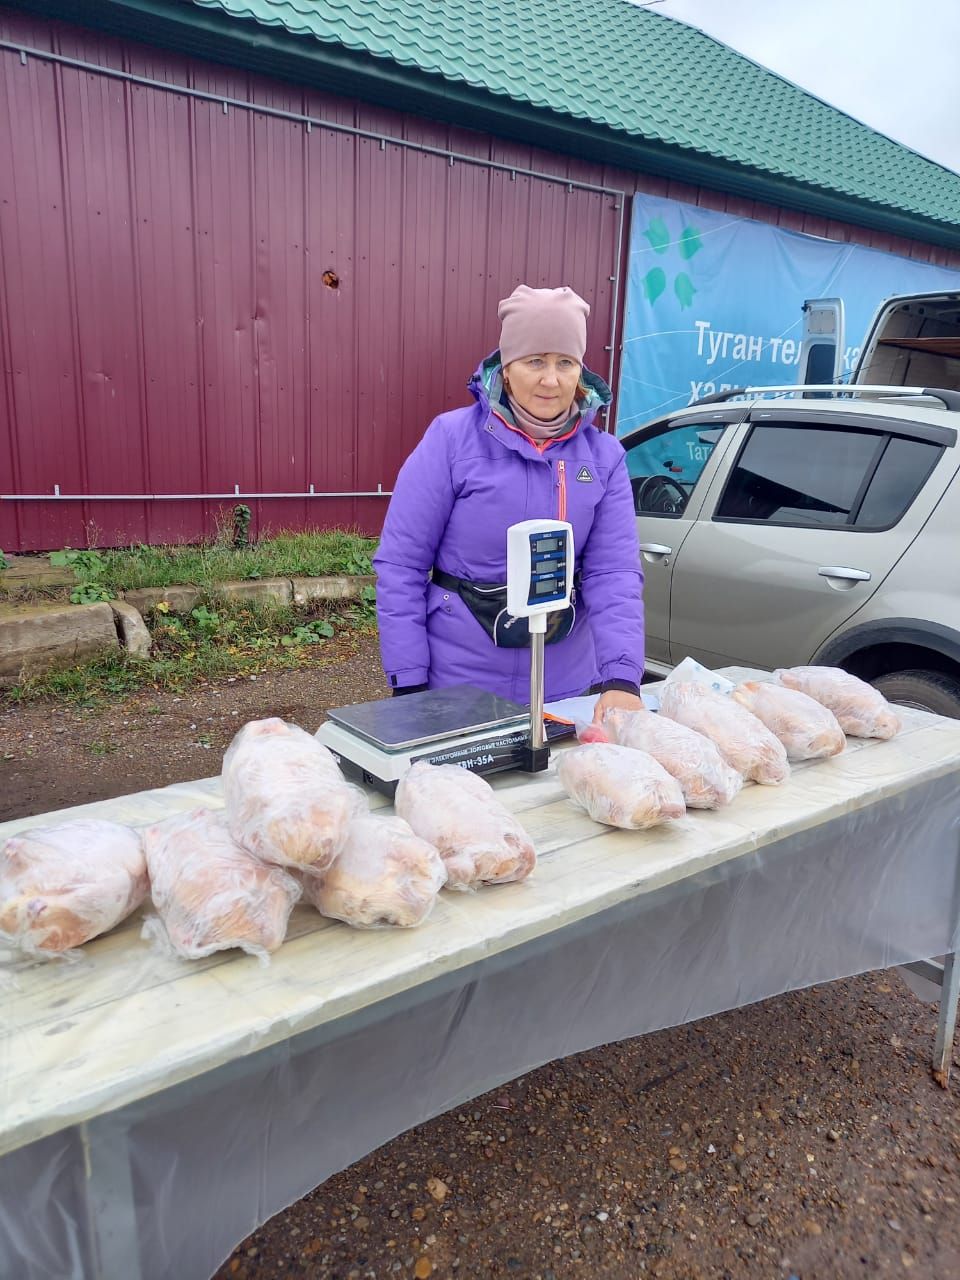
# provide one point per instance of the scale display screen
(539, 569)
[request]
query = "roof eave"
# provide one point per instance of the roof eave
(187, 28)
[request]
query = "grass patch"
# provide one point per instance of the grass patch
(215, 640)
(24, 594)
(288, 555)
(102, 575)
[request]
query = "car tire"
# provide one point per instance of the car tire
(926, 690)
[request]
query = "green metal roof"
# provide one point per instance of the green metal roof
(633, 71)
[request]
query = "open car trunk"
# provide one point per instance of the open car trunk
(914, 342)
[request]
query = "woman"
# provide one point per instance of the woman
(526, 450)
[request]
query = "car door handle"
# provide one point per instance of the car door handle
(842, 578)
(655, 551)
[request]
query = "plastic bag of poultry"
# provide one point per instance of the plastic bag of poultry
(286, 799)
(210, 894)
(862, 711)
(745, 742)
(706, 779)
(620, 786)
(384, 875)
(61, 886)
(457, 811)
(807, 729)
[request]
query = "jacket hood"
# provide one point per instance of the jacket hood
(486, 386)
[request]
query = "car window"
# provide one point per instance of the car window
(827, 477)
(664, 468)
(899, 477)
(793, 474)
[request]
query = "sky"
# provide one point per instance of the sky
(893, 64)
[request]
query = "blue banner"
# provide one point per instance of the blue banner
(714, 301)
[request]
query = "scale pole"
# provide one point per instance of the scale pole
(539, 752)
(539, 582)
(536, 687)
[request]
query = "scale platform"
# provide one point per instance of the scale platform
(376, 742)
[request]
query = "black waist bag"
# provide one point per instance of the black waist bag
(487, 601)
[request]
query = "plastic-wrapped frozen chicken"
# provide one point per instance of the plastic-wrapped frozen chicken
(384, 875)
(457, 811)
(706, 779)
(807, 729)
(61, 886)
(745, 742)
(286, 799)
(210, 894)
(593, 732)
(620, 786)
(862, 711)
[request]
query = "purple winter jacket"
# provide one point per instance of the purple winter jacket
(470, 477)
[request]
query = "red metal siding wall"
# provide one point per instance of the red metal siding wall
(164, 322)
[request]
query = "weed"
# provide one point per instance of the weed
(87, 565)
(93, 533)
(311, 633)
(241, 525)
(102, 748)
(208, 621)
(90, 593)
(358, 562)
(363, 614)
(4, 562)
(88, 569)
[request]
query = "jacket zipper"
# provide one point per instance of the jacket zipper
(562, 486)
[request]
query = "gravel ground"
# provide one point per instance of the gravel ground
(53, 755)
(801, 1137)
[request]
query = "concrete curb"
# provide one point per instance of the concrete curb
(180, 599)
(132, 631)
(35, 638)
(300, 591)
(306, 590)
(275, 590)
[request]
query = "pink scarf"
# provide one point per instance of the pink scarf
(541, 429)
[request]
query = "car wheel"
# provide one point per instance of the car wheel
(925, 690)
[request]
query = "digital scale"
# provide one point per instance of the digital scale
(376, 742)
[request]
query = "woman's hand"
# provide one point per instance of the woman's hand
(615, 698)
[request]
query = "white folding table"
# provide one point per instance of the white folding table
(154, 1111)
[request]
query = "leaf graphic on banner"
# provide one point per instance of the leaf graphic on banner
(683, 288)
(689, 242)
(654, 283)
(658, 235)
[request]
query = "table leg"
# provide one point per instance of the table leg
(949, 993)
(111, 1208)
(947, 1022)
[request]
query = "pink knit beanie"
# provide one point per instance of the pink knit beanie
(536, 320)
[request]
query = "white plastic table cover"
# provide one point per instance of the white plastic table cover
(154, 1111)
